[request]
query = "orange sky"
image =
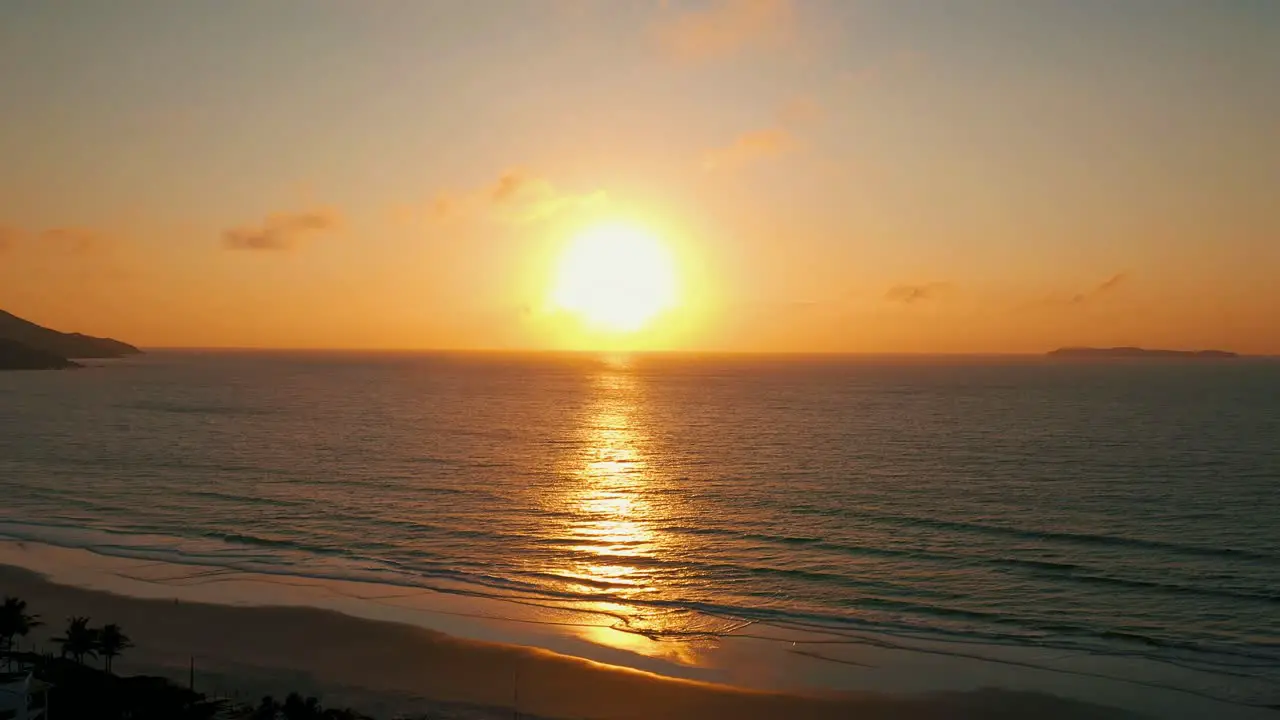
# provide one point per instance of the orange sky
(829, 175)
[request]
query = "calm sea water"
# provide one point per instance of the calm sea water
(1129, 508)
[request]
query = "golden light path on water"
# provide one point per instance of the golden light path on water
(616, 525)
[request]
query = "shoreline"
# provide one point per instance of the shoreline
(387, 645)
(411, 669)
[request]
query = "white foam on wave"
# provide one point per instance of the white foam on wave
(752, 654)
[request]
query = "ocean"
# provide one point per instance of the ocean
(1124, 509)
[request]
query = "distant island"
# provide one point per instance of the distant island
(25, 345)
(1090, 353)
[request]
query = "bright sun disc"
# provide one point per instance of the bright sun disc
(615, 277)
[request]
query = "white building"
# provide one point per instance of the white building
(24, 698)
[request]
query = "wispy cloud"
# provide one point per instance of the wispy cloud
(725, 28)
(509, 185)
(443, 207)
(77, 240)
(517, 196)
(64, 240)
(1110, 288)
(912, 294)
(748, 148)
(281, 231)
(522, 197)
(799, 112)
(9, 237)
(1106, 287)
(764, 144)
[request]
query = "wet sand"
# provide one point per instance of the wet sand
(282, 647)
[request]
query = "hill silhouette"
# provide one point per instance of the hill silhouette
(64, 345)
(16, 356)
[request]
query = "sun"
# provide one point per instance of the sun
(615, 277)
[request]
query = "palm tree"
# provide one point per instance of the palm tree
(80, 639)
(295, 708)
(14, 621)
(111, 643)
(268, 709)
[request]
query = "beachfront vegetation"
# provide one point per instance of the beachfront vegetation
(80, 639)
(15, 622)
(111, 642)
(84, 692)
(296, 707)
(79, 691)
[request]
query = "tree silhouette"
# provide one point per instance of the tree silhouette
(343, 714)
(111, 643)
(268, 709)
(15, 622)
(79, 640)
(295, 708)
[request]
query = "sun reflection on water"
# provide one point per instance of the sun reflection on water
(610, 511)
(615, 527)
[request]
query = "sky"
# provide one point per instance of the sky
(826, 175)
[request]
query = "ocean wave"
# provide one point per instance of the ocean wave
(1074, 571)
(788, 625)
(196, 408)
(1052, 535)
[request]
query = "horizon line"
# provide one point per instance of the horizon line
(604, 351)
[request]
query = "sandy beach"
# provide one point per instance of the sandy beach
(395, 667)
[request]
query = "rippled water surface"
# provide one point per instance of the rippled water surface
(1125, 508)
